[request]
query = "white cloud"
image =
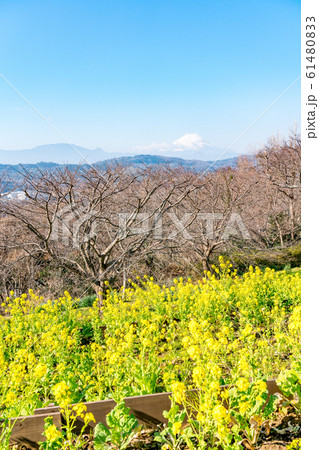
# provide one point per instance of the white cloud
(189, 146)
(190, 141)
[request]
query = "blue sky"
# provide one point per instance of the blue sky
(119, 74)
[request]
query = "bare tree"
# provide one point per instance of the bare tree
(279, 163)
(217, 205)
(96, 223)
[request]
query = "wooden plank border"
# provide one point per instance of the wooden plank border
(146, 408)
(29, 430)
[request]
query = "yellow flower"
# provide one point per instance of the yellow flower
(222, 432)
(242, 384)
(194, 351)
(40, 370)
(219, 413)
(244, 407)
(294, 445)
(166, 447)
(260, 386)
(199, 376)
(215, 370)
(79, 408)
(247, 330)
(243, 366)
(52, 433)
(214, 386)
(10, 398)
(176, 427)
(89, 418)
(62, 394)
(178, 391)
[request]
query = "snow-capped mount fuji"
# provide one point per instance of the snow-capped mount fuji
(189, 146)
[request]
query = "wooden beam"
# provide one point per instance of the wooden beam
(30, 428)
(147, 409)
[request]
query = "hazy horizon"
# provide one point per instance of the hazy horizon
(74, 154)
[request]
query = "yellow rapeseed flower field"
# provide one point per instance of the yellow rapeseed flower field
(220, 330)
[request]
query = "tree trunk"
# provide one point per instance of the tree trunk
(280, 233)
(100, 290)
(292, 219)
(206, 266)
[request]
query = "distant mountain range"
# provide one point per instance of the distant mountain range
(74, 154)
(13, 173)
(55, 153)
(153, 160)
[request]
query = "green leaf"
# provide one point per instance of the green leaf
(102, 435)
(270, 406)
(159, 438)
